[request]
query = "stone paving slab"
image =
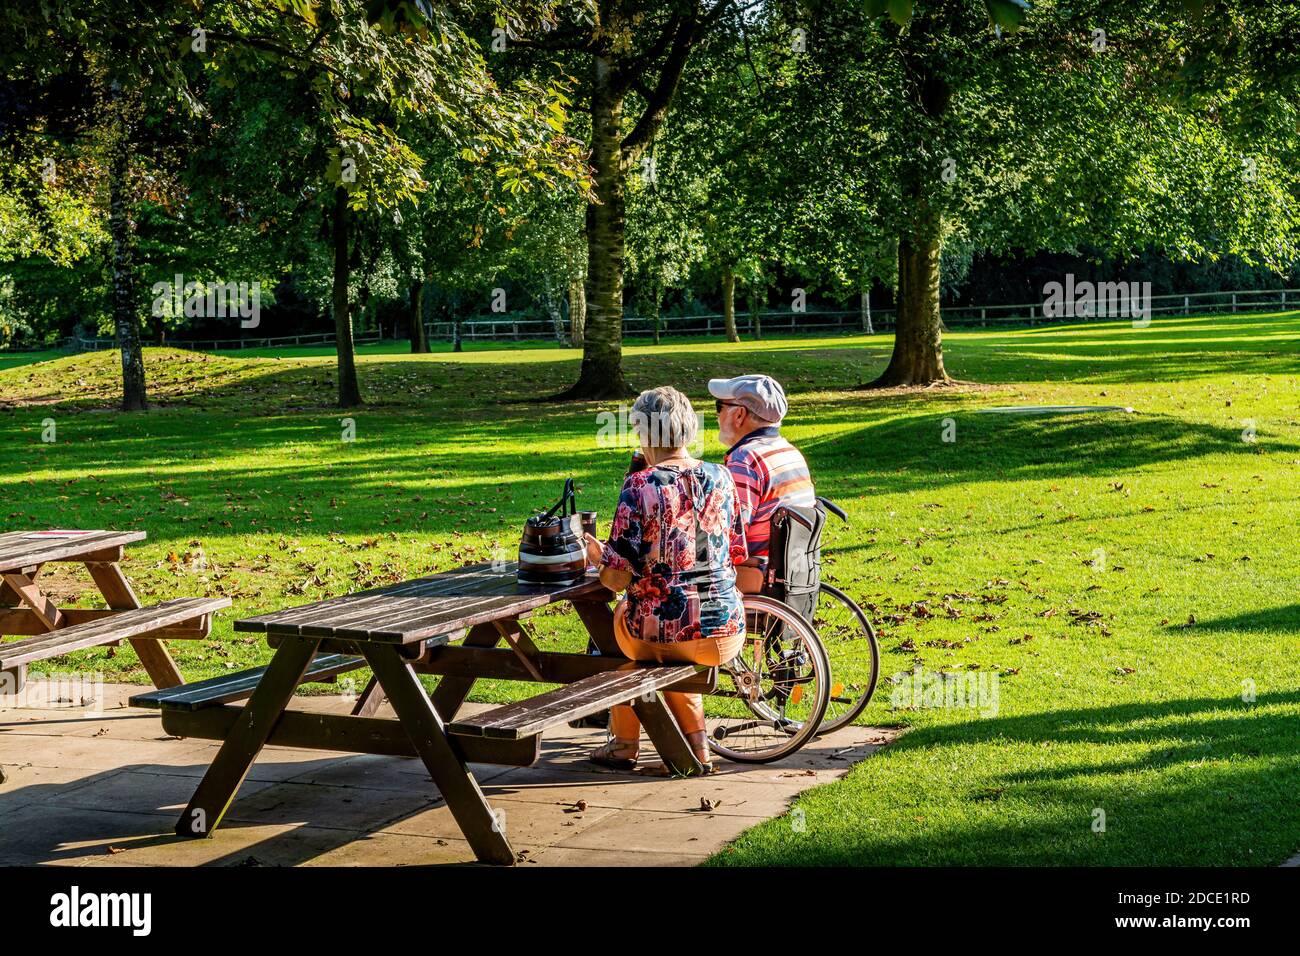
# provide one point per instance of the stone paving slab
(100, 784)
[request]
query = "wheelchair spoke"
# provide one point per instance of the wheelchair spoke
(779, 687)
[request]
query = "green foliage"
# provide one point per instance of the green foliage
(275, 105)
(245, 490)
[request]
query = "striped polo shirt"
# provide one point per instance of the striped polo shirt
(768, 472)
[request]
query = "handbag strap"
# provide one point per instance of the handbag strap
(567, 505)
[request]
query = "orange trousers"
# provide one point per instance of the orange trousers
(687, 709)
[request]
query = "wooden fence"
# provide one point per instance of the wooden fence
(785, 321)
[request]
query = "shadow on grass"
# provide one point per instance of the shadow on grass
(1229, 771)
(273, 468)
(302, 379)
(1274, 620)
(518, 458)
(907, 452)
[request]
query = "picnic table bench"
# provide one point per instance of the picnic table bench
(447, 624)
(50, 631)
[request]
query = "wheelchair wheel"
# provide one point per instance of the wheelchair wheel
(771, 698)
(854, 655)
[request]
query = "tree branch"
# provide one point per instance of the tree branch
(629, 73)
(656, 109)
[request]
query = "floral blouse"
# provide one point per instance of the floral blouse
(678, 531)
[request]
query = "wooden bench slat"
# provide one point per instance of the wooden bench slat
(483, 663)
(230, 687)
(23, 622)
(579, 699)
(121, 625)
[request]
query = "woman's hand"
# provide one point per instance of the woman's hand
(594, 551)
(612, 578)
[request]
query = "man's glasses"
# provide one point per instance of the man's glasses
(719, 404)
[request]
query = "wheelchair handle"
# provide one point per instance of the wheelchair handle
(833, 508)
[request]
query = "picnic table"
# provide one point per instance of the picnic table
(448, 624)
(51, 631)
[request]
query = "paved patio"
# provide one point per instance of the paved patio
(98, 783)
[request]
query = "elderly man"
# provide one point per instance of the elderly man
(768, 471)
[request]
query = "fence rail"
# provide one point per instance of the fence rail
(77, 344)
(1029, 313)
(477, 328)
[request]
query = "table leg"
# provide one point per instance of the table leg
(598, 618)
(119, 595)
(8, 595)
(669, 741)
(451, 692)
(45, 609)
(14, 680)
(247, 737)
(368, 703)
(420, 718)
(19, 589)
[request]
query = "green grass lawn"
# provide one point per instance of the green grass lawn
(1126, 578)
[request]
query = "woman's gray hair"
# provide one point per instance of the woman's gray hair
(664, 419)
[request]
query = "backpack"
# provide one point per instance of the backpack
(794, 562)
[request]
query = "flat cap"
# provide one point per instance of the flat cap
(761, 394)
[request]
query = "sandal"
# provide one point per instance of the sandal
(608, 755)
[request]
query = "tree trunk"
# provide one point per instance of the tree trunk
(577, 312)
(551, 302)
(755, 313)
(415, 318)
(602, 350)
(729, 304)
(656, 307)
(349, 389)
(866, 312)
(125, 320)
(457, 343)
(917, 358)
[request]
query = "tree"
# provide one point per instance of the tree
(1046, 138)
(664, 239)
(636, 52)
(82, 83)
(357, 70)
(384, 75)
(735, 179)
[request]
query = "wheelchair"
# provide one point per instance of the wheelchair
(811, 660)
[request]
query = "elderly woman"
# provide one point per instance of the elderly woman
(674, 544)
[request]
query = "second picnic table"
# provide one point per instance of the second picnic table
(400, 632)
(53, 631)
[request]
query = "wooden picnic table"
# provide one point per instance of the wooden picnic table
(51, 631)
(447, 624)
